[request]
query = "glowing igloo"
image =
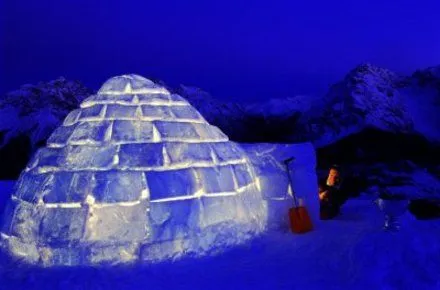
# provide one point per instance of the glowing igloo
(134, 174)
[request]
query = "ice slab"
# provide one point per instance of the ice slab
(121, 112)
(141, 155)
(116, 224)
(132, 131)
(227, 151)
(90, 132)
(61, 135)
(117, 186)
(185, 112)
(176, 130)
(91, 113)
(80, 157)
(157, 112)
(217, 179)
(189, 153)
(172, 183)
(63, 225)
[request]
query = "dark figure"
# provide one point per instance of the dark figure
(330, 195)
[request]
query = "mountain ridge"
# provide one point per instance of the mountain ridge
(368, 97)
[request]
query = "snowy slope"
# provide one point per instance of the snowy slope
(209, 106)
(228, 116)
(368, 97)
(281, 108)
(29, 115)
(422, 98)
(374, 97)
(273, 120)
(35, 110)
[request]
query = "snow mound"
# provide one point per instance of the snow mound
(134, 174)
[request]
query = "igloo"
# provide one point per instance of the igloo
(135, 174)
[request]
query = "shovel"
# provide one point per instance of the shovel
(299, 217)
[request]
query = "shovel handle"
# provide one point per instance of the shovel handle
(286, 162)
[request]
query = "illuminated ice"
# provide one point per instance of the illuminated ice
(135, 174)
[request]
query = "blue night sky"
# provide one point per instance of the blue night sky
(234, 49)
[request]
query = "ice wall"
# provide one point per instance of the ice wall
(267, 160)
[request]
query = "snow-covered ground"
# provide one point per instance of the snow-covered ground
(351, 252)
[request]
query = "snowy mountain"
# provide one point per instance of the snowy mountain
(368, 98)
(34, 110)
(422, 99)
(282, 108)
(29, 115)
(230, 117)
(273, 120)
(374, 121)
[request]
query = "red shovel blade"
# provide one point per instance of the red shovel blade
(300, 221)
